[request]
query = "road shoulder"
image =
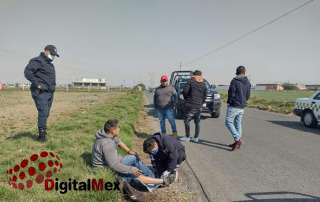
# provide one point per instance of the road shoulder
(187, 187)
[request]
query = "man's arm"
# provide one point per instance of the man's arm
(248, 92)
(186, 89)
(30, 70)
(124, 147)
(174, 96)
(231, 92)
(204, 94)
(111, 157)
(155, 99)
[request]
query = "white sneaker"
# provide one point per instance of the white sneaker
(195, 139)
(185, 139)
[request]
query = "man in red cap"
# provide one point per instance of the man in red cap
(164, 100)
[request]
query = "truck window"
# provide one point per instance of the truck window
(317, 97)
(207, 83)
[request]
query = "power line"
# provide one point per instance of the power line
(67, 62)
(231, 42)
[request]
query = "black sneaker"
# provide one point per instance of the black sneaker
(131, 193)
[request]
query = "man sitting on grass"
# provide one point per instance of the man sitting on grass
(166, 154)
(129, 167)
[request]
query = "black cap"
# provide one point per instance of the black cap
(240, 70)
(148, 143)
(197, 73)
(52, 49)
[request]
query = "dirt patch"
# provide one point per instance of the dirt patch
(18, 112)
(178, 191)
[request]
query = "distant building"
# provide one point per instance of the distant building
(90, 83)
(269, 86)
(301, 87)
(24, 86)
(2, 86)
(313, 87)
(12, 85)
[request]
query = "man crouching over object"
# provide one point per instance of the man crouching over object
(166, 154)
(130, 168)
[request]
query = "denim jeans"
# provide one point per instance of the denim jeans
(164, 114)
(131, 160)
(234, 121)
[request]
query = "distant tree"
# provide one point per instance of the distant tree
(140, 86)
(289, 86)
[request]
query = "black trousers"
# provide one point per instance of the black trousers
(194, 114)
(43, 101)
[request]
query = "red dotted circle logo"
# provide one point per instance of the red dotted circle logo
(34, 170)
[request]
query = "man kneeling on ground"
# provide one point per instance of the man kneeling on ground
(166, 154)
(129, 167)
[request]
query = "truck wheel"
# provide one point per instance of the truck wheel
(215, 114)
(308, 119)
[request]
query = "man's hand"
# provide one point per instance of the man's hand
(136, 172)
(165, 174)
(39, 89)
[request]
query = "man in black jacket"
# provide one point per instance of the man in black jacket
(238, 95)
(166, 153)
(41, 73)
(194, 94)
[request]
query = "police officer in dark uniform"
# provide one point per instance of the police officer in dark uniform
(41, 73)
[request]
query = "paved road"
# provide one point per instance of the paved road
(279, 156)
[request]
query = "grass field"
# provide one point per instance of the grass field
(75, 119)
(276, 101)
(18, 111)
(284, 96)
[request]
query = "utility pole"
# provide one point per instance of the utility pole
(180, 67)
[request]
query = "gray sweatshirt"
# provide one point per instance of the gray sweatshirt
(164, 97)
(104, 153)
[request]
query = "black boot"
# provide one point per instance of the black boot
(130, 193)
(42, 135)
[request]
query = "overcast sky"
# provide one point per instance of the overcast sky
(138, 40)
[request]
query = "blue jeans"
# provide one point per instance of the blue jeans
(234, 122)
(164, 114)
(131, 160)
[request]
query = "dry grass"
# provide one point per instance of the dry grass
(70, 135)
(18, 111)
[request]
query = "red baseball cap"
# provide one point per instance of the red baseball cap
(164, 78)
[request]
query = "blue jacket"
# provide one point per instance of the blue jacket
(40, 71)
(239, 92)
